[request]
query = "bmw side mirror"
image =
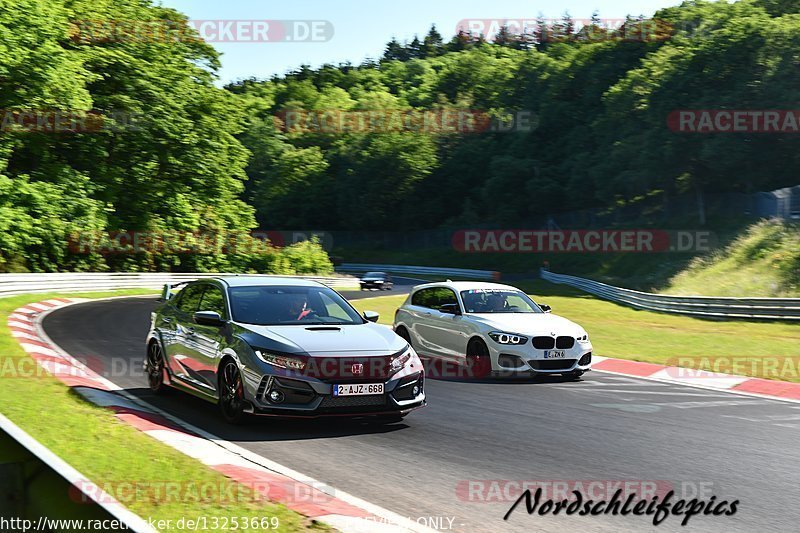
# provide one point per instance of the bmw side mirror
(452, 309)
(371, 316)
(545, 308)
(208, 318)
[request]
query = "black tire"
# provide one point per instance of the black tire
(231, 393)
(479, 363)
(156, 368)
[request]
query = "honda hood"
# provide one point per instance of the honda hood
(347, 340)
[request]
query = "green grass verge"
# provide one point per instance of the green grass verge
(763, 261)
(626, 333)
(113, 454)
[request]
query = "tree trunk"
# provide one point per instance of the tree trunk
(701, 205)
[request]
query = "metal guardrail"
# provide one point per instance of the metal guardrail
(410, 269)
(13, 284)
(705, 306)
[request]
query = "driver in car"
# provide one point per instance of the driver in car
(496, 302)
(298, 307)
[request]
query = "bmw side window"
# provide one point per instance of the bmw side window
(422, 298)
(434, 298)
(443, 296)
(213, 300)
(190, 298)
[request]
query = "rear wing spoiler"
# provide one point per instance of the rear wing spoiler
(166, 292)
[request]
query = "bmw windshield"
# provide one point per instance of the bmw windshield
(498, 301)
(282, 306)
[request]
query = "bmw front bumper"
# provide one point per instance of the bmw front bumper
(525, 359)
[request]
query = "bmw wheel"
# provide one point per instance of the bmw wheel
(479, 364)
(231, 397)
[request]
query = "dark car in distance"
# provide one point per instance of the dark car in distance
(376, 280)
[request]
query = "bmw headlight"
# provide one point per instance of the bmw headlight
(507, 338)
(583, 338)
(281, 361)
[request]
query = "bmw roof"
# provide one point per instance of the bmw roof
(459, 286)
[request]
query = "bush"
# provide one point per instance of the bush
(307, 257)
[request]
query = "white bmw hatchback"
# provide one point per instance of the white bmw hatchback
(491, 329)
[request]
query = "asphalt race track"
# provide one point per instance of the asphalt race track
(604, 428)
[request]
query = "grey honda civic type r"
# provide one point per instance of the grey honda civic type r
(282, 347)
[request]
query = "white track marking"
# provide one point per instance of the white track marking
(705, 387)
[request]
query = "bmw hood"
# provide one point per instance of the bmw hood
(531, 324)
(360, 339)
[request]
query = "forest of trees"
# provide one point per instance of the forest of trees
(600, 100)
(174, 152)
(160, 156)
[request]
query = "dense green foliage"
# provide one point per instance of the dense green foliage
(164, 150)
(601, 101)
(162, 155)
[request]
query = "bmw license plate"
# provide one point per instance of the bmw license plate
(554, 354)
(361, 389)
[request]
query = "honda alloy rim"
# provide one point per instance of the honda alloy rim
(155, 366)
(232, 389)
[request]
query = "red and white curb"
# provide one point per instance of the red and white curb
(763, 388)
(271, 480)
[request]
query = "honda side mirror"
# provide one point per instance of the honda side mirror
(209, 318)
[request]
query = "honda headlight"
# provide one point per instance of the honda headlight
(281, 361)
(398, 363)
(507, 338)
